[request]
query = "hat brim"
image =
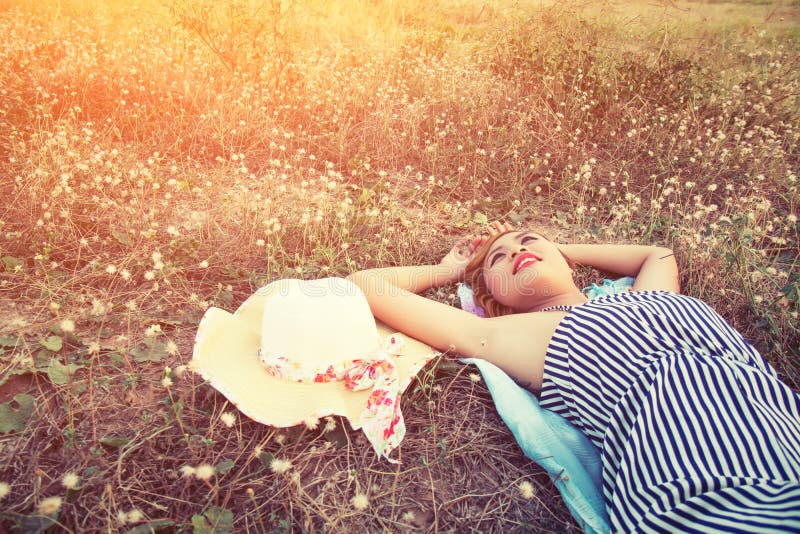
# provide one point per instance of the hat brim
(226, 355)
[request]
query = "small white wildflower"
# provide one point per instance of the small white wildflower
(50, 505)
(70, 480)
(149, 275)
(475, 377)
(312, 424)
(94, 348)
(279, 466)
(5, 489)
(188, 471)
(228, 419)
(330, 424)
(98, 308)
(125, 274)
(172, 348)
(526, 490)
(204, 471)
(408, 517)
(180, 370)
(152, 330)
(134, 516)
(67, 326)
(360, 502)
(204, 264)
(166, 382)
(122, 517)
(111, 269)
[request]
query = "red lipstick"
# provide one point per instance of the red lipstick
(523, 260)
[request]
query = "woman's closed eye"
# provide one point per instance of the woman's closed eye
(499, 255)
(496, 258)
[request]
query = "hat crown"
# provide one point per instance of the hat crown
(317, 322)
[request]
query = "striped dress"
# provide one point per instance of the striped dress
(696, 431)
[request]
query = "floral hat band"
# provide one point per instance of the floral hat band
(381, 420)
(299, 350)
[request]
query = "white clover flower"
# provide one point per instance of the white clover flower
(50, 505)
(152, 330)
(70, 480)
(228, 419)
(330, 424)
(526, 490)
(188, 471)
(279, 466)
(360, 501)
(204, 471)
(134, 516)
(67, 326)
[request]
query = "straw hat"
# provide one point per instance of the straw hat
(293, 352)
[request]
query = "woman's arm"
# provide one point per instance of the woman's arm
(653, 267)
(437, 324)
(415, 279)
(418, 278)
(391, 296)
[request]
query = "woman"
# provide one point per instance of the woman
(695, 430)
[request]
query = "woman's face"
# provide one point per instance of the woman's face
(523, 269)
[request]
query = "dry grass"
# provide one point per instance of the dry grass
(157, 159)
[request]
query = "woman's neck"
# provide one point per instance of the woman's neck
(569, 298)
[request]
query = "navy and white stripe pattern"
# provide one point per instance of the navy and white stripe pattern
(697, 432)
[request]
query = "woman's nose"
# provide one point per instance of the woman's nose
(518, 251)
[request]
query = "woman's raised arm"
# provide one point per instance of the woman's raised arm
(391, 293)
(653, 267)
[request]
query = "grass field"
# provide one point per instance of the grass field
(161, 157)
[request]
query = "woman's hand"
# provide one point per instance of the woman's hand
(461, 254)
(498, 227)
(464, 251)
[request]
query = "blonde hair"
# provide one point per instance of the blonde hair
(474, 277)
